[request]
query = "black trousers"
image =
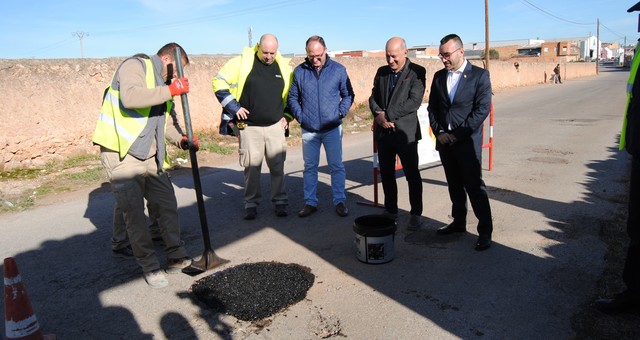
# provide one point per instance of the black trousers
(631, 273)
(389, 146)
(462, 163)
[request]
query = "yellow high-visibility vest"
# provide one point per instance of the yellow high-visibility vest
(632, 77)
(233, 75)
(118, 127)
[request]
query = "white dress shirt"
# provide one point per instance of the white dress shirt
(453, 78)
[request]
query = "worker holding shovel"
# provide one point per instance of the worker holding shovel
(131, 131)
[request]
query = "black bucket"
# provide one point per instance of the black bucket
(375, 234)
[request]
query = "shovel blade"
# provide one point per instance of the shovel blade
(209, 260)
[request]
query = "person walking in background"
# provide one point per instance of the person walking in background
(459, 102)
(131, 132)
(398, 90)
(629, 299)
(556, 75)
(319, 98)
(252, 89)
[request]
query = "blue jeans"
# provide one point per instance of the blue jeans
(332, 141)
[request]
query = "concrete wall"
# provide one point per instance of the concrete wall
(50, 106)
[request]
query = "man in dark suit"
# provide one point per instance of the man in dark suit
(398, 90)
(459, 102)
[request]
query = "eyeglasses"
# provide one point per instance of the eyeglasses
(448, 55)
(312, 57)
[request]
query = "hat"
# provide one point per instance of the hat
(634, 8)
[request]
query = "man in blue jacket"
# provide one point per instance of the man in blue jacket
(319, 98)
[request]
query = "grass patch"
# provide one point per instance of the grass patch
(21, 173)
(77, 161)
(91, 174)
(26, 199)
(212, 141)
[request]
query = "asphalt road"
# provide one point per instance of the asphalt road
(557, 177)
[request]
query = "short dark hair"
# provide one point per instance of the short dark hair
(315, 38)
(169, 49)
(453, 37)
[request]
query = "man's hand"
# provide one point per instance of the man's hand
(446, 138)
(186, 144)
(179, 86)
(242, 114)
(284, 122)
(381, 120)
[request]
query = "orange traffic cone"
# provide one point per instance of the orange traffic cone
(20, 320)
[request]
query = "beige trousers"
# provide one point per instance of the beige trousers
(133, 181)
(256, 144)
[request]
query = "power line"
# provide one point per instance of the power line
(51, 46)
(553, 15)
(619, 35)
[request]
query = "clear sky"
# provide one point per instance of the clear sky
(116, 28)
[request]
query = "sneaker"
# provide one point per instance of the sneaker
(251, 213)
(281, 210)
(414, 222)
(123, 253)
(390, 214)
(155, 279)
(177, 265)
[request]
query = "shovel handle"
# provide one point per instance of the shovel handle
(194, 160)
(183, 97)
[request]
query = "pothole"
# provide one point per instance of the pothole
(548, 160)
(577, 122)
(549, 151)
(254, 291)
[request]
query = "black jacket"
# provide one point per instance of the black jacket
(402, 106)
(471, 105)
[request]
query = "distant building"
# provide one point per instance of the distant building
(554, 50)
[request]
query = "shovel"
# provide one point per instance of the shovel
(209, 259)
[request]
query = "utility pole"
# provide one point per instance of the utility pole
(81, 36)
(486, 34)
(624, 52)
(250, 36)
(598, 48)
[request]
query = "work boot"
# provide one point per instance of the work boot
(281, 210)
(250, 213)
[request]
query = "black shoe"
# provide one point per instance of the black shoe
(342, 210)
(251, 213)
(483, 243)
(281, 210)
(307, 210)
(123, 253)
(454, 227)
(390, 214)
(620, 303)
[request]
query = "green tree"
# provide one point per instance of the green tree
(493, 54)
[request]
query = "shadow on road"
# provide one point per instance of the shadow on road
(442, 279)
